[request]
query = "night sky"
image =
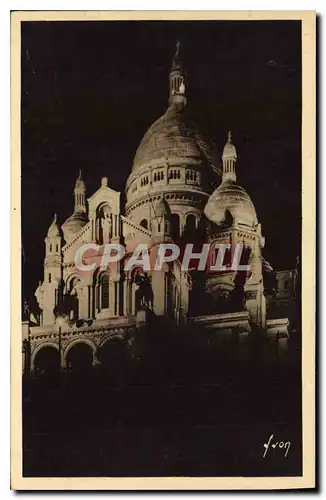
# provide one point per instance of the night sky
(90, 90)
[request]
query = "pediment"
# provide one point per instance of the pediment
(104, 195)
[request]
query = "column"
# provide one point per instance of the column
(133, 298)
(125, 285)
(116, 298)
(89, 300)
(95, 359)
(63, 361)
(111, 297)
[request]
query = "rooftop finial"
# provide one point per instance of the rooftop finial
(177, 52)
(177, 90)
(229, 136)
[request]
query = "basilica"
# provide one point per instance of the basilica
(180, 189)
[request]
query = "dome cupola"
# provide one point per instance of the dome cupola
(174, 161)
(79, 218)
(54, 230)
(175, 138)
(230, 203)
(229, 158)
(177, 77)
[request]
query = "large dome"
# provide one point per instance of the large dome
(172, 137)
(73, 225)
(231, 199)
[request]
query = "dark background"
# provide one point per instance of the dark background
(90, 90)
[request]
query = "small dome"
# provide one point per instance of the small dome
(161, 208)
(74, 224)
(229, 151)
(231, 199)
(54, 228)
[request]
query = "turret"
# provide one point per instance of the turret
(80, 191)
(177, 78)
(52, 270)
(229, 158)
(79, 218)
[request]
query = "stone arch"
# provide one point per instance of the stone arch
(80, 342)
(191, 221)
(41, 346)
(70, 279)
(74, 342)
(111, 337)
(72, 296)
(113, 354)
(101, 288)
(103, 222)
(175, 225)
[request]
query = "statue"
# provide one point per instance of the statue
(144, 294)
(39, 294)
(26, 311)
(106, 222)
(148, 291)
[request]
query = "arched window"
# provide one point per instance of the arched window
(175, 226)
(155, 177)
(144, 224)
(104, 291)
(50, 247)
(187, 175)
(191, 223)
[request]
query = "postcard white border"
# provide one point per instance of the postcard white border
(18, 482)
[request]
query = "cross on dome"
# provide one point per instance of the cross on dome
(177, 47)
